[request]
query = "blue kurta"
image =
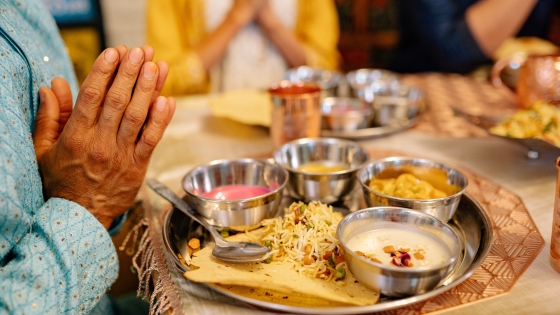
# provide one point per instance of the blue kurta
(55, 257)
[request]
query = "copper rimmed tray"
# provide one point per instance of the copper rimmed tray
(470, 221)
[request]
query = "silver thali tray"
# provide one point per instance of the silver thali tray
(534, 146)
(396, 107)
(372, 132)
(470, 222)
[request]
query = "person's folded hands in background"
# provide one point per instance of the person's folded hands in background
(220, 46)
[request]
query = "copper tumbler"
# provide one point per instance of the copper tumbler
(296, 112)
(555, 237)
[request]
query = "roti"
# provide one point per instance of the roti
(277, 282)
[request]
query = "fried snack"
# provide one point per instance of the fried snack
(277, 297)
(306, 239)
(277, 276)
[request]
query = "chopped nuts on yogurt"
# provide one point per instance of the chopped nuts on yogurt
(407, 247)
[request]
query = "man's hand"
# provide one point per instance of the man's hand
(100, 158)
(55, 105)
(54, 111)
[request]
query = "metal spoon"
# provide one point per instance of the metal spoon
(224, 250)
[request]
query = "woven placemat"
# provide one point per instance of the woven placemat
(471, 96)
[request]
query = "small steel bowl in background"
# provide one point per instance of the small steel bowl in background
(393, 280)
(345, 113)
(397, 104)
(441, 208)
(324, 187)
(332, 83)
(240, 212)
(365, 83)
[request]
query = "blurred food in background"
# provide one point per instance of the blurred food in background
(541, 121)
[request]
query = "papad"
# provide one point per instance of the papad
(278, 277)
(276, 297)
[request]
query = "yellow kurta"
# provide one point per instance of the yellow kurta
(176, 27)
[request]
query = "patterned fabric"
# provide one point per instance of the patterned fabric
(55, 257)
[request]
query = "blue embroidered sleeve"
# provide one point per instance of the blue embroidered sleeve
(55, 257)
(62, 264)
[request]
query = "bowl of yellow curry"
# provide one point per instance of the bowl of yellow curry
(419, 184)
(321, 169)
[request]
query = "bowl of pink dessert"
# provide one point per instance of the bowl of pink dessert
(236, 193)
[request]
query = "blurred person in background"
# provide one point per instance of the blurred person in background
(222, 45)
(461, 35)
(69, 166)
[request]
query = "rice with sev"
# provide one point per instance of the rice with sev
(306, 237)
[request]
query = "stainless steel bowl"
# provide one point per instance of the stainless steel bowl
(241, 212)
(331, 82)
(395, 105)
(325, 187)
(365, 83)
(441, 208)
(345, 114)
(392, 280)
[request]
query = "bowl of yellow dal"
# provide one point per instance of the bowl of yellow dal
(321, 169)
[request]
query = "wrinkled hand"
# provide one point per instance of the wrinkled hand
(54, 111)
(56, 104)
(99, 155)
(246, 11)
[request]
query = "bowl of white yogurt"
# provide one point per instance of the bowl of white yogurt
(398, 251)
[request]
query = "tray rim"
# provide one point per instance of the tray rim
(480, 256)
(367, 133)
(376, 132)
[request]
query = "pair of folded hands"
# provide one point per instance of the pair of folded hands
(96, 152)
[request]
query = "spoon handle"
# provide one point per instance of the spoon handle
(170, 196)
